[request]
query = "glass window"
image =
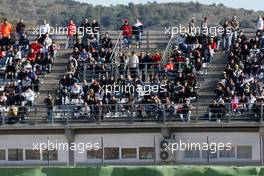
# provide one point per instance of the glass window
(15, 154)
(2, 155)
(32, 155)
(192, 153)
(50, 155)
(146, 152)
(244, 152)
(129, 153)
(206, 153)
(227, 153)
(111, 153)
(94, 154)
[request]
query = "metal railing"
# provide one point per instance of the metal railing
(168, 49)
(142, 69)
(132, 112)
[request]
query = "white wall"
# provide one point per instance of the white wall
(26, 142)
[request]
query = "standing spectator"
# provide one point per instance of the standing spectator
(127, 33)
(86, 30)
(133, 64)
(259, 27)
(225, 36)
(6, 30)
(96, 30)
(192, 27)
(20, 28)
(43, 30)
(137, 31)
(49, 101)
(204, 26)
(234, 29)
(71, 31)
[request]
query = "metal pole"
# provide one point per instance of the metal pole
(229, 112)
(146, 73)
(261, 113)
(147, 39)
(102, 149)
(155, 148)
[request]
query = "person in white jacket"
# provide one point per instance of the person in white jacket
(259, 26)
(133, 64)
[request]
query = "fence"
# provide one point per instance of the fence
(131, 112)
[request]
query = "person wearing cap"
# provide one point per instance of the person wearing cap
(127, 33)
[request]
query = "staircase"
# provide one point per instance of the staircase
(151, 41)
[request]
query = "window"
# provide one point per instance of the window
(227, 153)
(146, 152)
(129, 153)
(244, 152)
(192, 153)
(50, 155)
(32, 155)
(111, 153)
(15, 154)
(94, 154)
(2, 155)
(205, 154)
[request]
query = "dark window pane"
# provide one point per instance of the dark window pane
(146, 152)
(2, 155)
(244, 152)
(50, 155)
(111, 153)
(129, 153)
(15, 154)
(94, 154)
(32, 155)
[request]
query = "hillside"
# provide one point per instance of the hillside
(154, 15)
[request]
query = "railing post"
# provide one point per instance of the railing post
(146, 73)
(84, 71)
(35, 115)
(261, 112)
(147, 39)
(68, 114)
(164, 114)
(229, 112)
(196, 113)
(3, 118)
(99, 120)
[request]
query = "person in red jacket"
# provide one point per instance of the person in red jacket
(71, 32)
(156, 58)
(31, 57)
(36, 46)
(127, 33)
(211, 48)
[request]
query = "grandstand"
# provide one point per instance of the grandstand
(131, 126)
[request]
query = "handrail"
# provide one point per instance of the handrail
(168, 48)
(125, 112)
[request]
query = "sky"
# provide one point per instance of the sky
(246, 4)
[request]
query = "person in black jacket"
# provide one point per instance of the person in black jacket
(96, 30)
(86, 31)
